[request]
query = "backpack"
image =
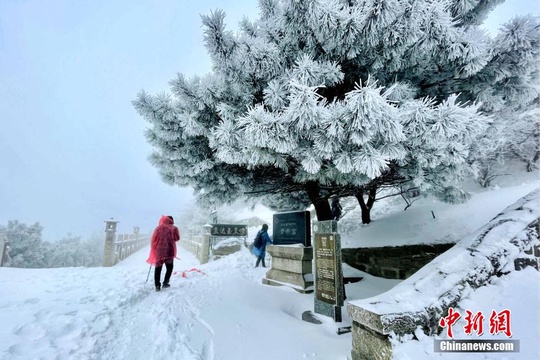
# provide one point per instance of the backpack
(258, 240)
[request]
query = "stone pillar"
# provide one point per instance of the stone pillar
(108, 249)
(291, 266)
(205, 244)
(136, 237)
(329, 287)
(369, 337)
(368, 344)
(3, 245)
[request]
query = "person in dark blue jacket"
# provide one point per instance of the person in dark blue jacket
(260, 251)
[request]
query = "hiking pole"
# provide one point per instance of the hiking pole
(148, 272)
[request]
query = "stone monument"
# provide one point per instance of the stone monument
(291, 253)
(329, 287)
(292, 228)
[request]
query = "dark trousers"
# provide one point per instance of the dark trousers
(168, 272)
(259, 259)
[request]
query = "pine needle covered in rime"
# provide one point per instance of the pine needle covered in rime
(220, 43)
(371, 114)
(337, 30)
(315, 73)
(276, 94)
(305, 110)
(335, 124)
(369, 162)
(311, 162)
(375, 16)
(471, 12)
(225, 134)
(344, 163)
(258, 58)
(401, 92)
(257, 125)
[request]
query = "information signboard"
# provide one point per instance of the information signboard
(292, 228)
(228, 230)
(326, 272)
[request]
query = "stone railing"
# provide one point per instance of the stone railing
(127, 244)
(118, 248)
(198, 246)
(509, 241)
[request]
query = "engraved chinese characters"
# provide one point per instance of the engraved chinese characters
(325, 265)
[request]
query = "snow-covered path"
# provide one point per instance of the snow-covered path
(112, 313)
(103, 313)
(145, 324)
(97, 313)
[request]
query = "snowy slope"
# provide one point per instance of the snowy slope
(391, 226)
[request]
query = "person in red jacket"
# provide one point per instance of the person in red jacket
(163, 250)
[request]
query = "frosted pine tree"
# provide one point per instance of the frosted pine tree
(512, 99)
(25, 245)
(525, 138)
(330, 98)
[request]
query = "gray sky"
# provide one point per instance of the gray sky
(72, 150)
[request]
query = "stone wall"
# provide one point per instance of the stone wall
(393, 262)
(508, 242)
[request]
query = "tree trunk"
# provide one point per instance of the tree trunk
(531, 165)
(366, 206)
(322, 207)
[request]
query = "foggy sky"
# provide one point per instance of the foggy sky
(72, 147)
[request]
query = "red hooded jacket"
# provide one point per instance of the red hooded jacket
(163, 243)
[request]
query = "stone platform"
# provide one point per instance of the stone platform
(291, 266)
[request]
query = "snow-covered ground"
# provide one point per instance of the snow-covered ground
(224, 311)
(112, 313)
(391, 226)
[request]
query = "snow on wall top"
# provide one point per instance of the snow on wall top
(452, 275)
